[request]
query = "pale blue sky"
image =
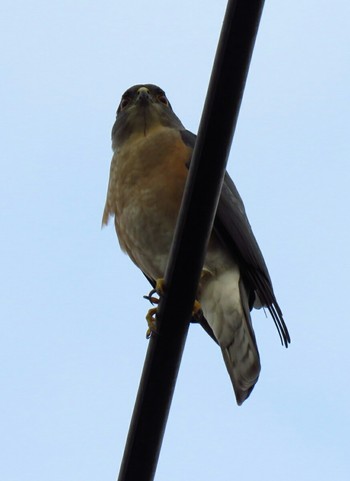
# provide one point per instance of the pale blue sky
(72, 340)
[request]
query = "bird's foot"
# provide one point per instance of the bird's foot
(158, 289)
(151, 316)
(197, 309)
(151, 321)
(152, 313)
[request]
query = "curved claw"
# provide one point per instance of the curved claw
(158, 289)
(152, 300)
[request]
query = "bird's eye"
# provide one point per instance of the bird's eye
(124, 102)
(162, 98)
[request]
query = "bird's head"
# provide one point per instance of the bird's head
(142, 108)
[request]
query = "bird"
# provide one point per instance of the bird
(151, 154)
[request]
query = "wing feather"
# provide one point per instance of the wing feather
(232, 226)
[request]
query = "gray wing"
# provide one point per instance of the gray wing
(232, 226)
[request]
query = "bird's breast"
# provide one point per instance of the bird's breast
(150, 174)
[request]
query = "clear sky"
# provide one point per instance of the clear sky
(72, 341)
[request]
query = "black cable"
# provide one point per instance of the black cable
(190, 242)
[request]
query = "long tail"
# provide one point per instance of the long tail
(242, 356)
(225, 306)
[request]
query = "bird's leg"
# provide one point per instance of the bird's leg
(152, 313)
(197, 309)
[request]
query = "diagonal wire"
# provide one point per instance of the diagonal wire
(193, 229)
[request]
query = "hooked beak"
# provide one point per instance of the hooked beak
(143, 96)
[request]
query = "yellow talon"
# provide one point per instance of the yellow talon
(152, 313)
(151, 321)
(197, 309)
(160, 286)
(158, 289)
